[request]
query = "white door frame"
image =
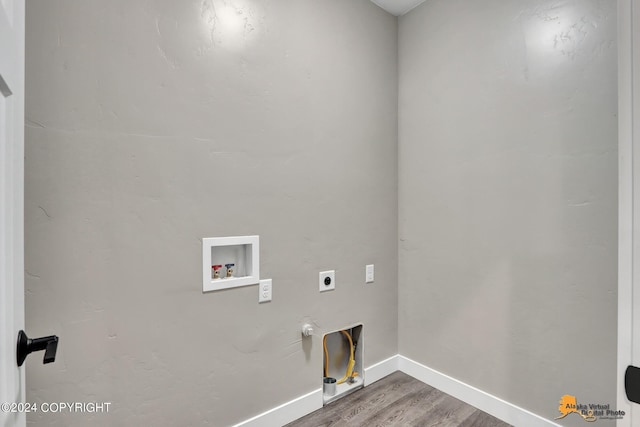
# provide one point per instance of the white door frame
(628, 201)
(12, 389)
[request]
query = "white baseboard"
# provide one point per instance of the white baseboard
(304, 405)
(380, 370)
(486, 402)
(287, 412)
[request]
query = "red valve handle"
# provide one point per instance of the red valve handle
(216, 267)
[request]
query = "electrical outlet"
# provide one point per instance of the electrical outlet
(368, 275)
(266, 290)
(327, 280)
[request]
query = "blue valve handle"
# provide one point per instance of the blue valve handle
(229, 270)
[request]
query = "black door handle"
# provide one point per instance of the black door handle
(632, 383)
(27, 345)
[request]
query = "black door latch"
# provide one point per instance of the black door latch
(632, 383)
(27, 345)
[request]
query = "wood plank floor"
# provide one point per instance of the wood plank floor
(398, 400)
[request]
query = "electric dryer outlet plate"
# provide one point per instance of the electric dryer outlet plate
(327, 280)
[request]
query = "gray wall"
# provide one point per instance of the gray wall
(152, 124)
(508, 197)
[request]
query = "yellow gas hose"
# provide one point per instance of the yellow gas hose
(350, 365)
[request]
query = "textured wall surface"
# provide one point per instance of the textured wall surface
(152, 124)
(508, 197)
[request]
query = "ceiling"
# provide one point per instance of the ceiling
(397, 7)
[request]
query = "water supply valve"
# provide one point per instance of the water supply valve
(229, 269)
(216, 271)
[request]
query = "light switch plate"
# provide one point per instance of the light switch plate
(265, 290)
(368, 274)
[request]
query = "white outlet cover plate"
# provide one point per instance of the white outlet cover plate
(369, 274)
(265, 290)
(331, 274)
